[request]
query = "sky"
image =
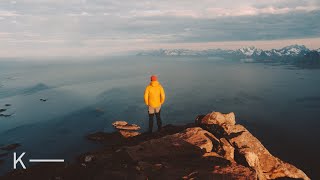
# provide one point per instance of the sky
(104, 27)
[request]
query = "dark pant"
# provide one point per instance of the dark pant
(159, 123)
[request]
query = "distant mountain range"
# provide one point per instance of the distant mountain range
(298, 54)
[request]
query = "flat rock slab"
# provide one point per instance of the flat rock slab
(119, 123)
(123, 125)
(128, 134)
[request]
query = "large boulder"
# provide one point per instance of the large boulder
(249, 149)
(257, 156)
(219, 119)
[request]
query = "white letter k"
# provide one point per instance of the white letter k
(15, 160)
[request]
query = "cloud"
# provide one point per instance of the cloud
(60, 26)
(214, 12)
(83, 13)
(8, 14)
(251, 11)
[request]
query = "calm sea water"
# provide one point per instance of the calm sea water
(278, 104)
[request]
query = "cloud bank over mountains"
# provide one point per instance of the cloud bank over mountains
(97, 27)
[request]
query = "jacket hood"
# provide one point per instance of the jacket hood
(154, 83)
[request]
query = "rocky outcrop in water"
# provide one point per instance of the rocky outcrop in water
(214, 147)
(249, 149)
(5, 150)
(4, 110)
(125, 129)
(221, 138)
(10, 147)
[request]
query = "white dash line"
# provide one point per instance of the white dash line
(46, 160)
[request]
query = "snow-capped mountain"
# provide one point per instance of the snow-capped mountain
(293, 50)
(294, 54)
(246, 52)
(249, 51)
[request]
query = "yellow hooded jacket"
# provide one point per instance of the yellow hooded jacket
(154, 94)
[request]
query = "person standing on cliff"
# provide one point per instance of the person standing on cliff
(154, 97)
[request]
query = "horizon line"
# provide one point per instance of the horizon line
(310, 43)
